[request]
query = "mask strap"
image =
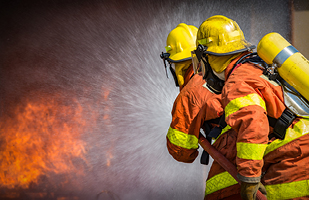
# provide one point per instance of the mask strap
(164, 57)
(174, 76)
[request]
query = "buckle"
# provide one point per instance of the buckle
(284, 121)
(164, 57)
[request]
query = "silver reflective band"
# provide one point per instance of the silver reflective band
(284, 54)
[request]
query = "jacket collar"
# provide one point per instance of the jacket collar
(229, 68)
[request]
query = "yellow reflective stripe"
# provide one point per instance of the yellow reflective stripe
(205, 41)
(225, 129)
(299, 129)
(181, 139)
(219, 182)
(288, 190)
(238, 103)
(250, 151)
(168, 48)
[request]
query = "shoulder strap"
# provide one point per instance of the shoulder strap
(243, 59)
(281, 124)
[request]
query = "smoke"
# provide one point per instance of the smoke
(105, 55)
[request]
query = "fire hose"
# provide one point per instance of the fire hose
(224, 162)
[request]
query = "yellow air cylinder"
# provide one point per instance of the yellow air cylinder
(293, 67)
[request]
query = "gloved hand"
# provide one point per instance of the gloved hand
(248, 190)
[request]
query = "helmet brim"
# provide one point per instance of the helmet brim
(181, 56)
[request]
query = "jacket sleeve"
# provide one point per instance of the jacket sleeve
(180, 144)
(245, 112)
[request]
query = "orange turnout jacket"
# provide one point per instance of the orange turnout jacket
(180, 143)
(281, 165)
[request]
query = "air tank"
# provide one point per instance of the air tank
(292, 66)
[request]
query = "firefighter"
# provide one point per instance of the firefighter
(272, 143)
(193, 94)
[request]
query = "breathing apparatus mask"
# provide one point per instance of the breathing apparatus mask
(201, 64)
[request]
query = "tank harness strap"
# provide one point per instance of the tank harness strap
(252, 56)
(280, 125)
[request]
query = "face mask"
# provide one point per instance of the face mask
(213, 82)
(180, 70)
(219, 63)
(200, 62)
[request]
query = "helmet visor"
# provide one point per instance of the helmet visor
(195, 62)
(198, 65)
(203, 67)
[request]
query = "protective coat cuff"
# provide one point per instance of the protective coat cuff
(249, 179)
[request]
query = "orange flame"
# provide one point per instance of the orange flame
(107, 122)
(42, 138)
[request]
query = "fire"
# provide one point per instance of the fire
(41, 138)
(107, 123)
(109, 156)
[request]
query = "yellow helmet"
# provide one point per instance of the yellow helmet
(222, 36)
(180, 42)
